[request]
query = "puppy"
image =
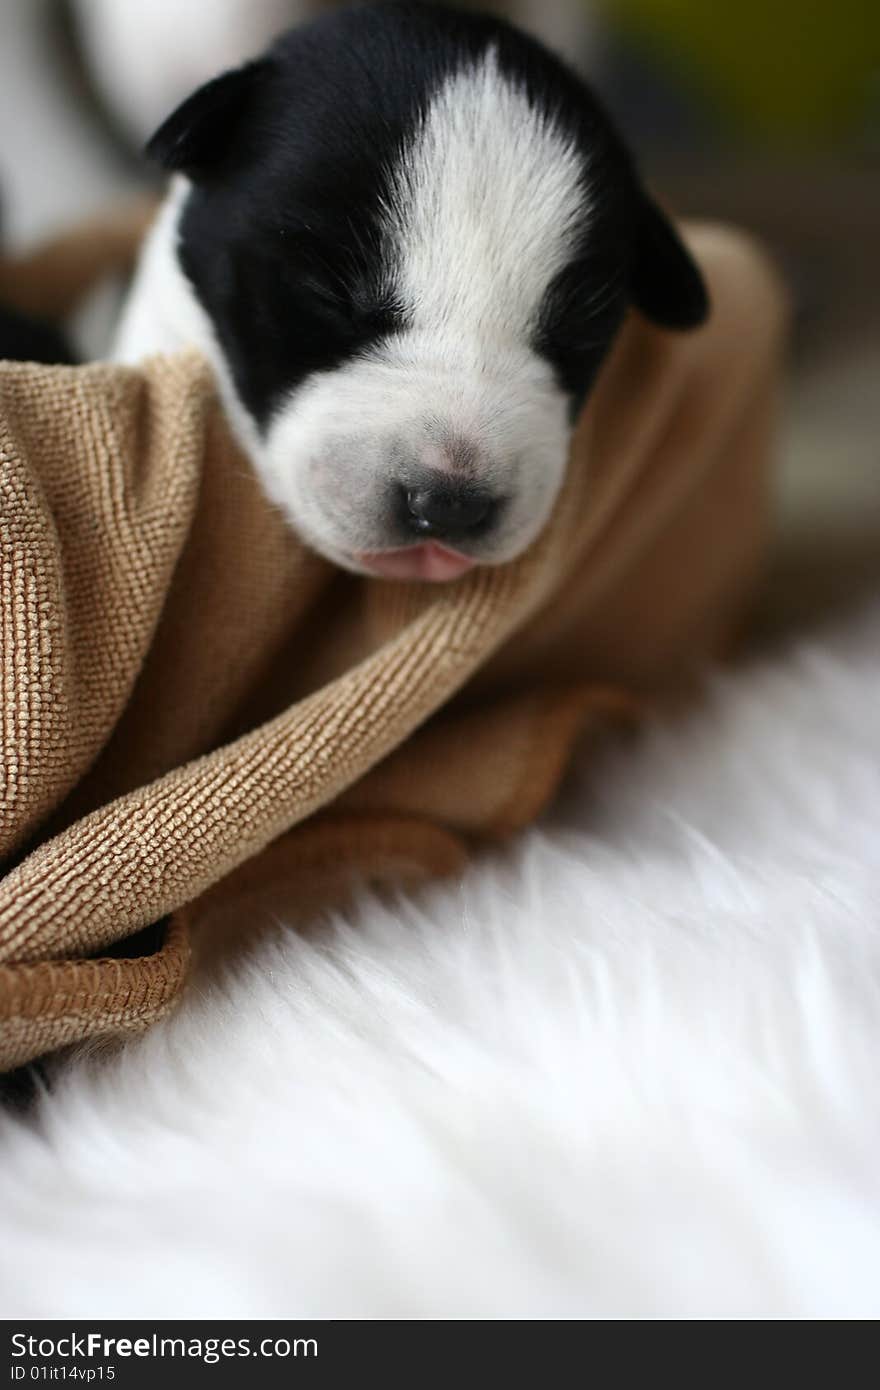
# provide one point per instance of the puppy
(405, 238)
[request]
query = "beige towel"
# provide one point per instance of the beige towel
(183, 682)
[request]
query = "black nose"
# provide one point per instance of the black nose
(449, 510)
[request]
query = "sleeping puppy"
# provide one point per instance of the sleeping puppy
(405, 238)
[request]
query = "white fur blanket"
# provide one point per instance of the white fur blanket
(626, 1070)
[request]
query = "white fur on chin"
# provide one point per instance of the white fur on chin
(628, 1070)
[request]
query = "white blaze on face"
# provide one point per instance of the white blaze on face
(487, 204)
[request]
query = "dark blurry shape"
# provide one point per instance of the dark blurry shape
(25, 339)
(19, 1089)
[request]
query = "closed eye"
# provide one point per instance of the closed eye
(357, 307)
(325, 299)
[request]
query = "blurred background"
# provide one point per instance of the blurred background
(761, 112)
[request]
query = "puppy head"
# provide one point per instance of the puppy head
(414, 234)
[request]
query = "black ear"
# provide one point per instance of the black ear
(197, 135)
(666, 283)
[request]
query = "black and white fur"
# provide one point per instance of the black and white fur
(406, 238)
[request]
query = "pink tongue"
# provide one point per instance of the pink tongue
(430, 561)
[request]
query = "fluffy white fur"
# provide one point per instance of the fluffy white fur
(625, 1070)
(474, 245)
